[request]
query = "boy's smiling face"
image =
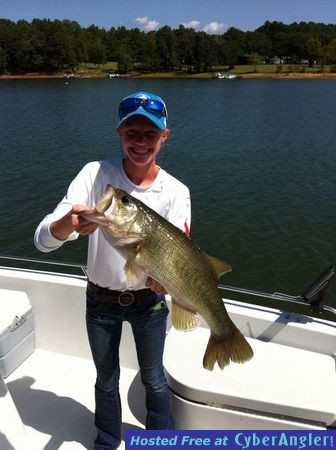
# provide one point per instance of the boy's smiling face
(141, 140)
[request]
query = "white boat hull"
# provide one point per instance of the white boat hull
(54, 386)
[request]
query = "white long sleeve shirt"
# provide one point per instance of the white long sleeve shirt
(166, 195)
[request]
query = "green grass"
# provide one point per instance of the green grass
(94, 70)
(273, 69)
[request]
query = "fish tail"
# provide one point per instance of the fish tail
(223, 350)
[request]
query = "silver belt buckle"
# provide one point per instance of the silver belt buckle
(125, 298)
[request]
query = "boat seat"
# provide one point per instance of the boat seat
(257, 385)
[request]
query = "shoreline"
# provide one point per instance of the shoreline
(296, 75)
(257, 75)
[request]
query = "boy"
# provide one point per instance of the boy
(142, 129)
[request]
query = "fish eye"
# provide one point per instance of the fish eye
(125, 199)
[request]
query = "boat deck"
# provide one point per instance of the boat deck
(57, 407)
(48, 400)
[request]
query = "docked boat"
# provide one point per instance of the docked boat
(47, 375)
(226, 76)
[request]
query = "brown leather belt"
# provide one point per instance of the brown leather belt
(123, 298)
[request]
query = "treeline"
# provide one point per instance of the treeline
(54, 45)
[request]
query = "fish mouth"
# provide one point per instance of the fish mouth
(106, 202)
(92, 215)
(103, 208)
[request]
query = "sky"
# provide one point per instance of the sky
(212, 16)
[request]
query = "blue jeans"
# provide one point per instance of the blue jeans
(104, 324)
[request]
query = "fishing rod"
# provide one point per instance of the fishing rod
(313, 296)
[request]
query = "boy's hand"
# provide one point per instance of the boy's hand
(63, 227)
(155, 286)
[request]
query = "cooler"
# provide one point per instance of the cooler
(16, 330)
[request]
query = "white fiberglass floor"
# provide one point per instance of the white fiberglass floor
(54, 395)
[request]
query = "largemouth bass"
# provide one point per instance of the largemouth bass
(152, 245)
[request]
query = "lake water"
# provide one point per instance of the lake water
(258, 156)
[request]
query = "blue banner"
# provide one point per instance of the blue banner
(230, 440)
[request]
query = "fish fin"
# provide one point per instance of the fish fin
(184, 319)
(219, 266)
(223, 350)
(132, 272)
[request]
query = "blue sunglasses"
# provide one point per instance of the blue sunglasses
(132, 104)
